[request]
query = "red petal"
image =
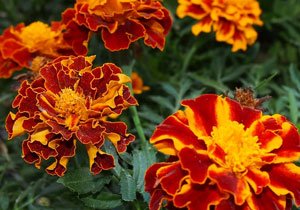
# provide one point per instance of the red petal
(230, 205)
(229, 182)
(90, 133)
(285, 179)
(170, 177)
(156, 200)
(151, 179)
(174, 129)
(28, 156)
(257, 179)
(116, 132)
(102, 162)
(268, 200)
(196, 163)
(49, 73)
(195, 196)
(123, 36)
(202, 113)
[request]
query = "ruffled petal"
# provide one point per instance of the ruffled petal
(170, 177)
(229, 182)
(99, 160)
(196, 163)
(190, 194)
(285, 179)
(173, 134)
(268, 200)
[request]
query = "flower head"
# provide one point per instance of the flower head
(232, 20)
(229, 155)
(122, 22)
(29, 46)
(138, 84)
(68, 104)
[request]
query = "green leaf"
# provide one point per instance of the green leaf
(211, 83)
(4, 201)
(293, 105)
(104, 200)
(170, 89)
(141, 161)
(266, 81)
(294, 75)
(128, 187)
(163, 101)
(78, 180)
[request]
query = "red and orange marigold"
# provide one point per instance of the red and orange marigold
(69, 104)
(33, 45)
(232, 20)
(138, 84)
(224, 156)
(121, 22)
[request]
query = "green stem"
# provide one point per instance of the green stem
(137, 205)
(138, 125)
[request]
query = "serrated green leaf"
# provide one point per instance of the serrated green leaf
(211, 83)
(162, 101)
(293, 106)
(141, 161)
(170, 90)
(78, 180)
(294, 75)
(128, 187)
(103, 201)
(150, 115)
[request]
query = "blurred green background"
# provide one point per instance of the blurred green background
(188, 67)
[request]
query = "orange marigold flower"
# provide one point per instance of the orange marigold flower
(68, 104)
(122, 22)
(232, 20)
(138, 84)
(20, 45)
(224, 156)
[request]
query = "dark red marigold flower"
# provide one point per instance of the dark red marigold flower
(30, 46)
(122, 22)
(224, 156)
(69, 104)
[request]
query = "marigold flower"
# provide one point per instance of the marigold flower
(232, 20)
(138, 84)
(68, 104)
(122, 22)
(224, 156)
(21, 45)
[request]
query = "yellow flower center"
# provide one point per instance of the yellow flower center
(70, 103)
(38, 36)
(241, 148)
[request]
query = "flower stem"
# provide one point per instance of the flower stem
(138, 125)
